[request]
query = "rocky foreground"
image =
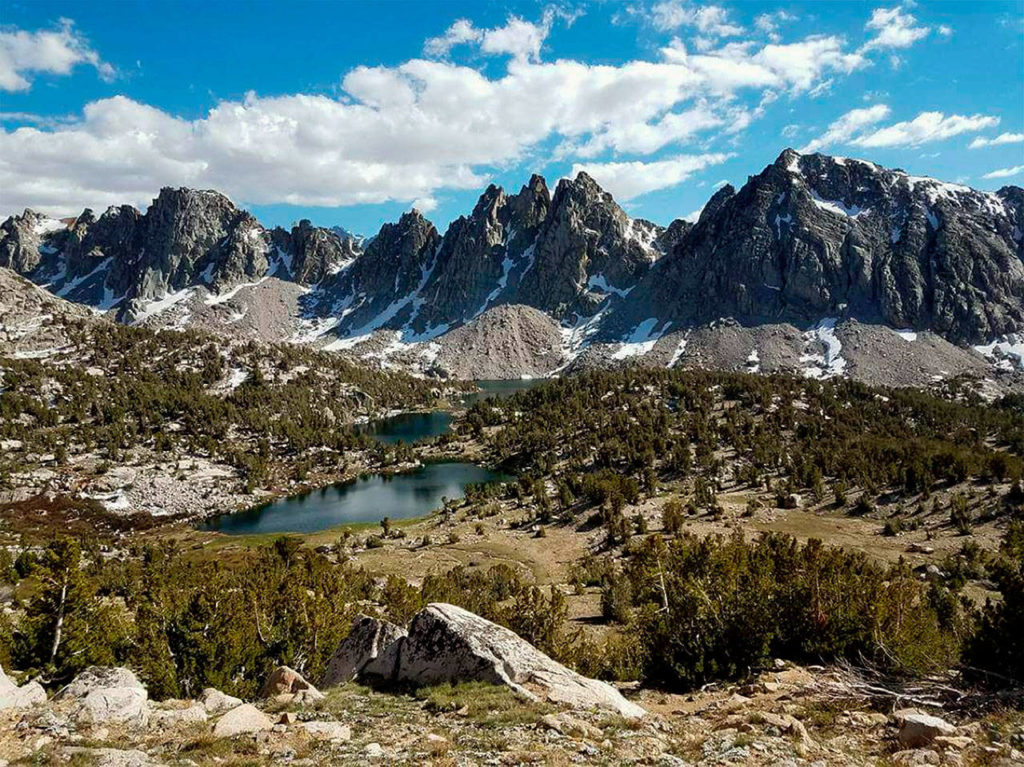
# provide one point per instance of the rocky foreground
(454, 688)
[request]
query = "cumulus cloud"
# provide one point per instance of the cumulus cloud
(424, 204)
(769, 23)
(1016, 170)
(626, 180)
(843, 129)
(893, 28)
(793, 66)
(926, 127)
(712, 20)
(405, 132)
(518, 38)
(55, 51)
(1002, 138)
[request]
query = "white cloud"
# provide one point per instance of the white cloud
(945, 30)
(1002, 138)
(405, 132)
(894, 28)
(518, 38)
(797, 66)
(712, 20)
(768, 23)
(460, 32)
(626, 180)
(843, 129)
(424, 204)
(694, 215)
(927, 126)
(55, 51)
(1016, 170)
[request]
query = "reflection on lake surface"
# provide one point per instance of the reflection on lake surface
(409, 427)
(367, 499)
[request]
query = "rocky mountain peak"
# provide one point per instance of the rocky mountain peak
(718, 199)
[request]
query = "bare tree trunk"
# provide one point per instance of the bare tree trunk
(58, 630)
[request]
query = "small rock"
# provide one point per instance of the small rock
(113, 757)
(245, 719)
(955, 742)
(915, 757)
(216, 702)
(107, 695)
(287, 681)
(917, 729)
(373, 750)
(332, 731)
(193, 714)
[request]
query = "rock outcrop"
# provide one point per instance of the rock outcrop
(369, 650)
(445, 643)
(12, 696)
(107, 695)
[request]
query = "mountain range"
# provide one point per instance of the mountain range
(820, 264)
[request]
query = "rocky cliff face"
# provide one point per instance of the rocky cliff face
(811, 238)
(815, 236)
(186, 239)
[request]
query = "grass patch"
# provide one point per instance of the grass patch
(485, 704)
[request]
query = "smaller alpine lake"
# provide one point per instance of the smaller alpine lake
(369, 498)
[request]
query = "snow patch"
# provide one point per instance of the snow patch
(754, 361)
(347, 343)
(678, 353)
(907, 335)
(220, 298)
(600, 283)
(1006, 352)
(152, 308)
(829, 364)
(837, 206)
(640, 341)
(47, 225)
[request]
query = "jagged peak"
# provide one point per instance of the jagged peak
(413, 217)
(536, 183)
(491, 198)
(715, 203)
(170, 196)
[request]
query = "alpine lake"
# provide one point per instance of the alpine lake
(371, 497)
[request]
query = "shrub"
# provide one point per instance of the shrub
(713, 608)
(998, 644)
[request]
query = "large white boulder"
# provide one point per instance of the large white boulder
(108, 695)
(446, 643)
(449, 644)
(242, 720)
(370, 649)
(26, 696)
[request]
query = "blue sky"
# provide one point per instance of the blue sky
(349, 113)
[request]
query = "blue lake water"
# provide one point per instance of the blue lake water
(367, 499)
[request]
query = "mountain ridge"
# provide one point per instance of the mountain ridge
(809, 237)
